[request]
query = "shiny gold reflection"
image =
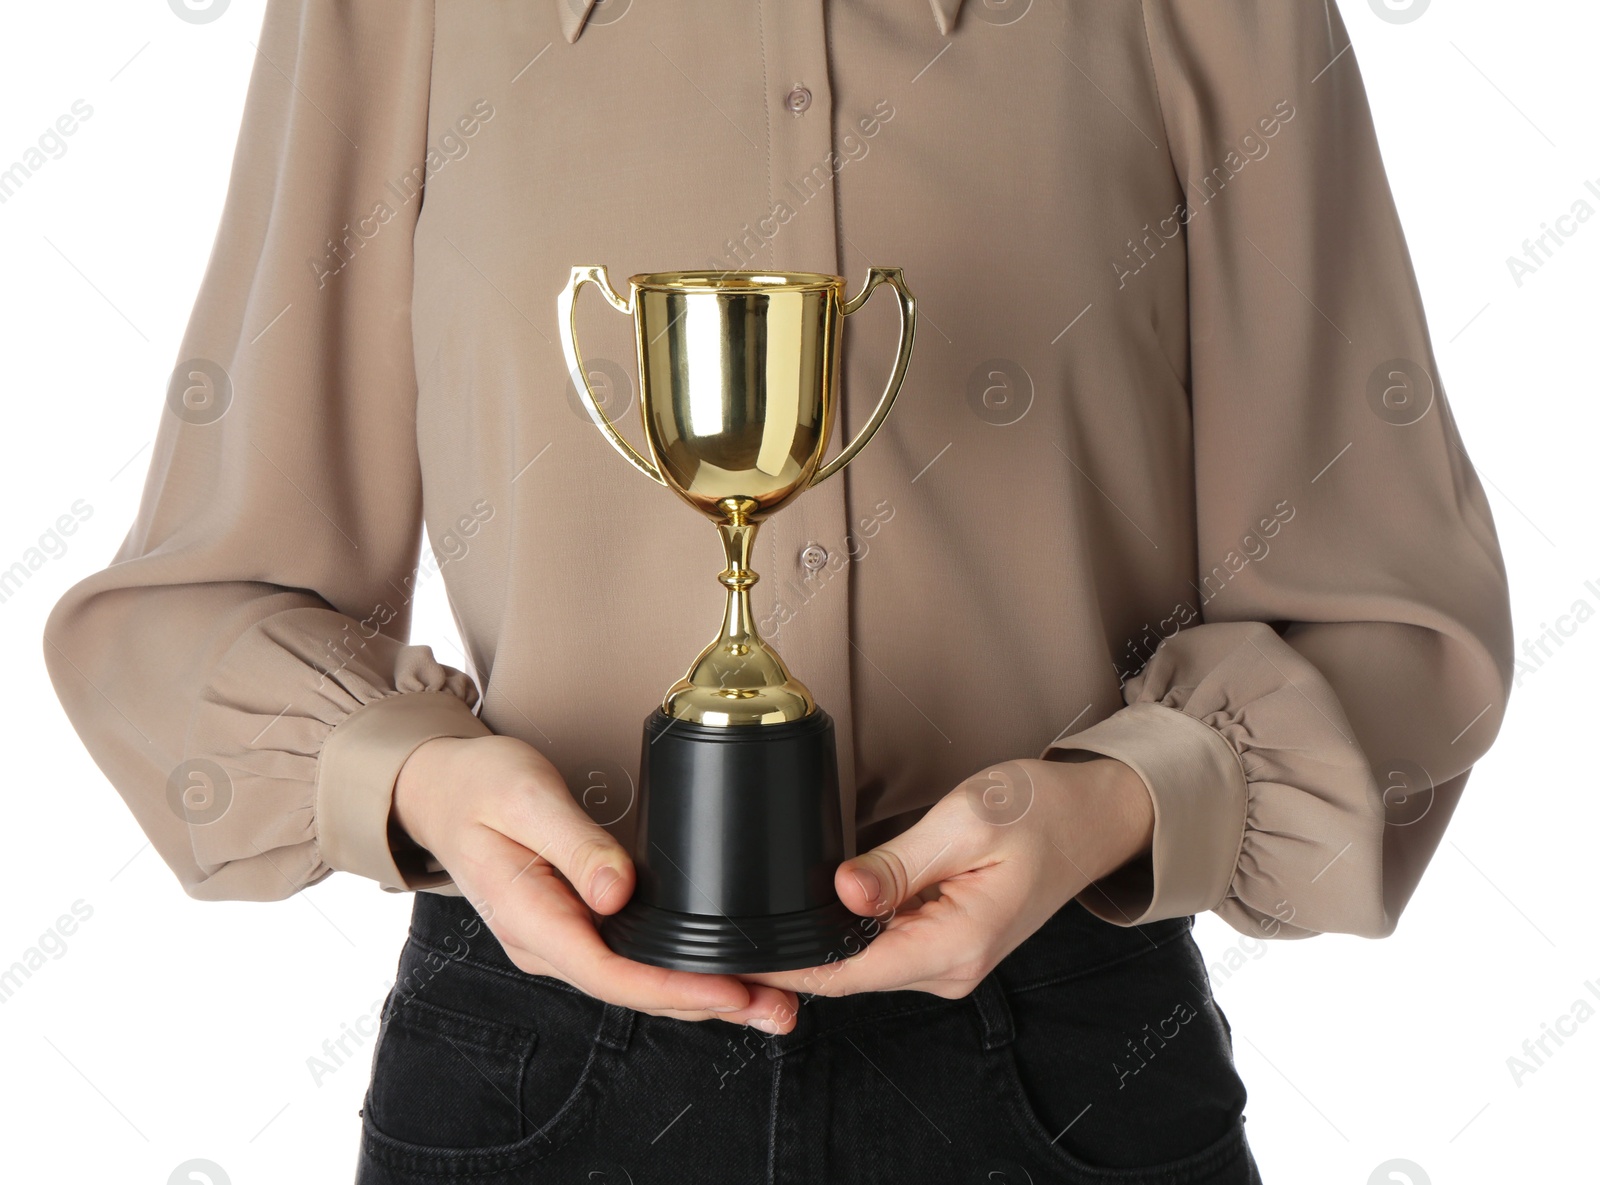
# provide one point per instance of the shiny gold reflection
(738, 398)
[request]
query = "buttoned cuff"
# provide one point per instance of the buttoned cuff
(356, 772)
(1198, 789)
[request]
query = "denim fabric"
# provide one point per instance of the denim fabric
(1094, 1055)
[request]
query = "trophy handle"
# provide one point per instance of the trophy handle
(908, 329)
(567, 312)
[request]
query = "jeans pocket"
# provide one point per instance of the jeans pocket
(1125, 1074)
(1225, 1160)
(476, 1094)
(445, 1079)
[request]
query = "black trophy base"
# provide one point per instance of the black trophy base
(739, 834)
(734, 946)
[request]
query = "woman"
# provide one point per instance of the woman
(1168, 557)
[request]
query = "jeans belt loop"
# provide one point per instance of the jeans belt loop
(994, 1013)
(616, 1027)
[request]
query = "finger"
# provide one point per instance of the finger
(548, 821)
(537, 911)
(772, 1010)
(942, 843)
(939, 944)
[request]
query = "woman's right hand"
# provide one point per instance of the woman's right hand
(500, 818)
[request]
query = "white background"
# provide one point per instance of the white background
(171, 1030)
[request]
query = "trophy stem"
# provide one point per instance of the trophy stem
(738, 534)
(738, 678)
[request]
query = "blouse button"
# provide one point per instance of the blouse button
(799, 99)
(814, 557)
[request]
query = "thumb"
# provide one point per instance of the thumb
(880, 880)
(553, 826)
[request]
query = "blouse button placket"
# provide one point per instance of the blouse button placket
(814, 637)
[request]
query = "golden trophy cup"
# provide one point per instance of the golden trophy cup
(739, 828)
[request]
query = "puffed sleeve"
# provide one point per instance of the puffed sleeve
(239, 671)
(1306, 739)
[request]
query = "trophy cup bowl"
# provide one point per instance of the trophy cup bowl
(739, 828)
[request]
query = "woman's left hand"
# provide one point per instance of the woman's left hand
(981, 871)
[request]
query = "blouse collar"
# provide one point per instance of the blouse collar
(575, 12)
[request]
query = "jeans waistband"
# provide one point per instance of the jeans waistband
(1071, 942)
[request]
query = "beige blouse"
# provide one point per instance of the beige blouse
(1171, 478)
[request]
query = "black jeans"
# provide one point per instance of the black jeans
(1093, 1054)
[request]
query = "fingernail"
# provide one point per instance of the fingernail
(869, 885)
(766, 1026)
(721, 1008)
(602, 883)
